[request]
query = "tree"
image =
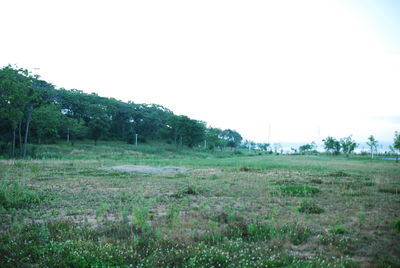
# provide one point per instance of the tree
(307, 147)
(46, 122)
(38, 95)
(373, 144)
(396, 144)
(233, 138)
(347, 145)
(98, 127)
(13, 99)
(184, 131)
(214, 138)
(331, 145)
(73, 128)
(263, 146)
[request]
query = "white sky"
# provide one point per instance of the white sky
(297, 66)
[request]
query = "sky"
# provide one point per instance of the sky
(275, 71)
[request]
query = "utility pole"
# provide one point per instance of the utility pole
(136, 135)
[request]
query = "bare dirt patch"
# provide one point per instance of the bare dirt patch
(149, 169)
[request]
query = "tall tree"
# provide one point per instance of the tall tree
(307, 147)
(347, 145)
(232, 137)
(37, 94)
(13, 85)
(214, 138)
(73, 128)
(331, 145)
(99, 122)
(373, 145)
(46, 122)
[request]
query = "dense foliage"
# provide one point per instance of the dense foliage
(33, 110)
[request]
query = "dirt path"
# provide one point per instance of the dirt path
(149, 169)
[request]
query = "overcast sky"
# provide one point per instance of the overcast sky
(307, 69)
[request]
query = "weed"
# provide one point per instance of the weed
(189, 190)
(341, 242)
(310, 207)
(15, 195)
(173, 214)
(35, 170)
(140, 217)
(338, 229)
(101, 211)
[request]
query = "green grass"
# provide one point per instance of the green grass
(16, 196)
(298, 190)
(63, 208)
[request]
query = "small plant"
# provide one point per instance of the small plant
(189, 190)
(101, 211)
(310, 207)
(173, 213)
(338, 229)
(140, 216)
(35, 170)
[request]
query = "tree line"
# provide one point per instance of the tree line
(33, 110)
(347, 145)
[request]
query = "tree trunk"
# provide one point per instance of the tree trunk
(20, 136)
(176, 138)
(28, 121)
(13, 143)
(67, 135)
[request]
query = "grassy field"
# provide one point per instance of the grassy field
(67, 208)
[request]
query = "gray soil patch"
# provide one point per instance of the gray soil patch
(149, 169)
